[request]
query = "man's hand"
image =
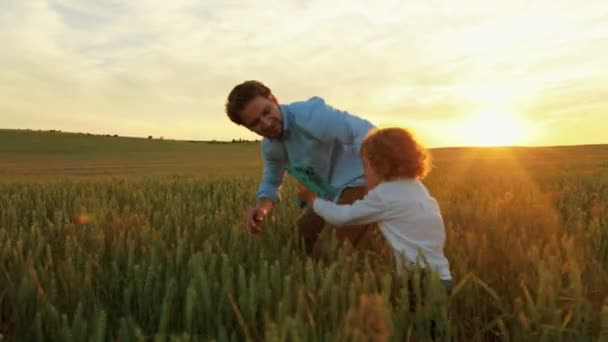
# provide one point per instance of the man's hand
(305, 195)
(256, 215)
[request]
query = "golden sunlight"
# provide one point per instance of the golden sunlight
(494, 128)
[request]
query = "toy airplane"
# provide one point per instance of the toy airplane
(307, 175)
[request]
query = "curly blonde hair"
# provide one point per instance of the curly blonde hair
(394, 153)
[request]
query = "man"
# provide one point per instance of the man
(309, 132)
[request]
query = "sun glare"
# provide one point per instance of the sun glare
(494, 128)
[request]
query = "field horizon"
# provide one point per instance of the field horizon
(258, 139)
(55, 153)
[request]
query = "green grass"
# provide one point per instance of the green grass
(166, 256)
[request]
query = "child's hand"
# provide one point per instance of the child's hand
(306, 195)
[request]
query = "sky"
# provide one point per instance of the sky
(456, 73)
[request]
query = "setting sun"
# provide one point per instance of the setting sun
(494, 128)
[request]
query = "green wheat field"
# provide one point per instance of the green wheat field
(106, 238)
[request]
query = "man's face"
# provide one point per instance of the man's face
(263, 117)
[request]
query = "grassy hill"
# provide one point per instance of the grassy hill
(43, 153)
(35, 153)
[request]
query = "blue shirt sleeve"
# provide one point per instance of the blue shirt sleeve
(273, 156)
(327, 124)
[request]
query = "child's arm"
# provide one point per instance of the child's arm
(367, 210)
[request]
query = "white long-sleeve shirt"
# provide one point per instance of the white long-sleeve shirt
(408, 216)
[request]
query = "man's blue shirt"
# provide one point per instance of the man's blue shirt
(316, 134)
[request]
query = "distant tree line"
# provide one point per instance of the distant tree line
(150, 137)
(243, 140)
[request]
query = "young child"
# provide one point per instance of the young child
(408, 216)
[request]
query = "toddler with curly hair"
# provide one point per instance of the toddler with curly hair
(408, 216)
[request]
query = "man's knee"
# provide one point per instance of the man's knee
(350, 195)
(310, 226)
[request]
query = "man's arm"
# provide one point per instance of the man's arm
(326, 123)
(265, 204)
(273, 156)
(367, 210)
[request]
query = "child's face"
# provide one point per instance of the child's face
(371, 178)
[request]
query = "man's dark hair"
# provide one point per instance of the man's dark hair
(240, 96)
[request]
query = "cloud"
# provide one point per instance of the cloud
(165, 68)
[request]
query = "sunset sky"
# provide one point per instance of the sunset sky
(539, 69)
